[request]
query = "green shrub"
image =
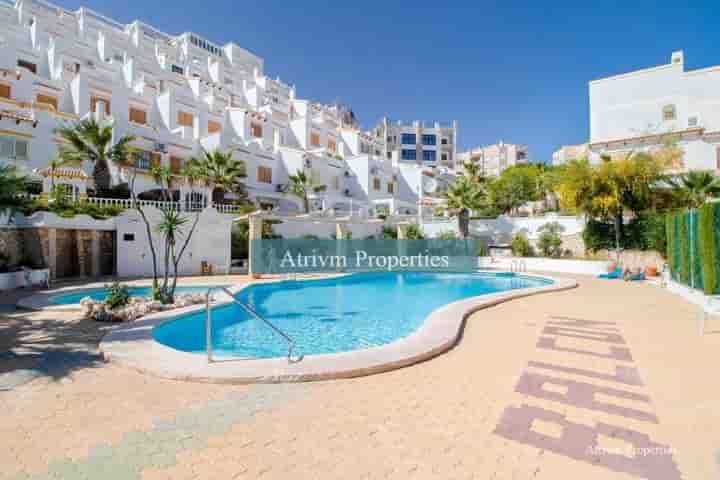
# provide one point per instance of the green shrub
(549, 241)
(413, 232)
(119, 296)
(683, 240)
(647, 231)
(389, 233)
(521, 246)
(446, 235)
(707, 240)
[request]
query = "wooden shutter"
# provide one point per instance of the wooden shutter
(256, 130)
(213, 126)
(185, 119)
(265, 174)
(332, 146)
(315, 139)
(176, 164)
(5, 91)
(138, 116)
(47, 100)
(94, 100)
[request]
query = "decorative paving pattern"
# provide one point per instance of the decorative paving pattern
(160, 446)
(633, 451)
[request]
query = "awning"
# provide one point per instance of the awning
(70, 173)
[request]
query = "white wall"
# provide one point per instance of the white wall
(359, 231)
(501, 230)
(210, 243)
(537, 264)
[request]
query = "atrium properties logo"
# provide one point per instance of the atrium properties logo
(303, 255)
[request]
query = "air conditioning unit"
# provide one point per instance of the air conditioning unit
(347, 192)
(693, 121)
(308, 163)
(281, 188)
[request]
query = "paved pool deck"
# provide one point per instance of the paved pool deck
(610, 380)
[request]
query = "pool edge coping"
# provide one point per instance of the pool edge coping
(132, 345)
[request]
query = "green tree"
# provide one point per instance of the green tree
(515, 186)
(463, 196)
(89, 141)
(225, 173)
(549, 240)
(695, 188)
(612, 188)
(521, 246)
(13, 190)
(301, 185)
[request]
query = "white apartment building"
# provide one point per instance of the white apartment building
(492, 160)
(568, 153)
(424, 143)
(646, 109)
(180, 94)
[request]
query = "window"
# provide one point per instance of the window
(364, 147)
(444, 141)
(408, 154)
(429, 140)
(391, 187)
(408, 139)
(13, 148)
(377, 184)
(332, 145)
(138, 115)
(256, 130)
(143, 160)
(185, 119)
(177, 69)
(94, 100)
(27, 65)
(128, 237)
(668, 112)
(47, 100)
(428, 155)
(314, 139)
(213, 126)
(444, 157)
(693, 122)
(176, 164)
(264, 174)
(5, 91)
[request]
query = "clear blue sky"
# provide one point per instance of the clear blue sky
(516, 71)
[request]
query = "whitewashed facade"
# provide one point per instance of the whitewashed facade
(178, 95)
(649, 108)
(492, 160)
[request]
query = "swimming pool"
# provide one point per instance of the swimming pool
(332, 315)
(99, 294)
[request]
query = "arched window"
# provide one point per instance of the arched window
(668, 112)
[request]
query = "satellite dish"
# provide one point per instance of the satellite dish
(429, 184)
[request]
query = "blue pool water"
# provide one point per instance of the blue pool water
(100, 293)
(331, 315)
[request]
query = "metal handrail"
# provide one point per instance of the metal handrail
(252, 312)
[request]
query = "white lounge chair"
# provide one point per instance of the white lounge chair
(711, 306)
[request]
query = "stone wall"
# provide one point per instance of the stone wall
(66, 252)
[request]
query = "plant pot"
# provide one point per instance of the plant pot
(612, 266)
(651, 271)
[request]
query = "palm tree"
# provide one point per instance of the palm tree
(301, 185)
(223, 172)
(464, 195)
(89, 141)
(695, 188)
(13, 189)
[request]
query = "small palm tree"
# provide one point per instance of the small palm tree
(464, 196)
(89, 141)
(223, 172)
(301, 185)
(695, 188)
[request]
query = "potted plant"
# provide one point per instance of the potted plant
(651, 271)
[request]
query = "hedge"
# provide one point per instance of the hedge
(692, 247)
(647, 231)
